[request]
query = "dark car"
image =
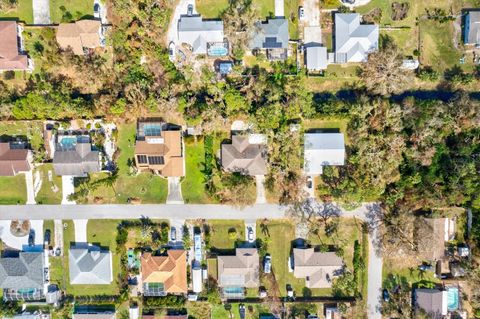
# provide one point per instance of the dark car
(47, 236)
(385, 295)
(96, 10)
(241, 310)
(190, 10)
(425, 267)
(31, 238)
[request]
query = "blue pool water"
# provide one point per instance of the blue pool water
(217, 51)
(26, 290)
(68, 141)
(452, 298)
(152, 129)
(233, 290)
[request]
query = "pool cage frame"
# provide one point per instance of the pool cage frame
(225, 44)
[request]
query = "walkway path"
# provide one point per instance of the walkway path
(41, 11)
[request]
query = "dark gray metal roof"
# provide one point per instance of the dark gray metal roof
(24, 271)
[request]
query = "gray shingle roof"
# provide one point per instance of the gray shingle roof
(24, 271)
(353, 41)
(197, 32)
(90, 265)
(77, 160)
(272, 34)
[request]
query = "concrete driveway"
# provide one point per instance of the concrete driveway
(80, 230)
(103, 11)
(279, 8)
(30, 188)
(41, 11)
(174, 191)
(178, 225)
(251, 224)
(68, 188)
(260, 183)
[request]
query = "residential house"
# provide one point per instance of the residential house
(90, 265)
(471, 28)
(14, 158)
(238, 272)
(431, 301)
(22, 276)
(246, 154)
(159, 148)
(75, 155)
(323, 149)
(316, 57)
(271, 37)
(431, 235)
(354, 41)
(80, 36)
(203, 36)
(317, 268)
(12, 57)
(162, 275)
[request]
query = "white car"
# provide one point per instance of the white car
(250, 234)
(96, 11)
(301, 13)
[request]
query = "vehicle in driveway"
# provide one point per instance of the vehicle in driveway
(171, 51)
(301, 13)
(250, 234)
(47, 237)
(242, 312)
(309, 182)
(425, 267)
(385, 295)
(190, 10)
(96, 11)
(173, 234)
(31, 238)
(267, 264)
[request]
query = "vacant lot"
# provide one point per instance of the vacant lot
(13, 190)
(24, 12)
(70, 10)
(193, 184)
(214, 8)
(224, 234)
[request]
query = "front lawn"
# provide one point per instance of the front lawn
(51, 190)
(193, 184)
(24, 12)
(213, 9)
(70, 10)
(224, 234)
(13, 190)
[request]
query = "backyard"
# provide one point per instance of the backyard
(51, 190)
(70, 10)
(24, 11)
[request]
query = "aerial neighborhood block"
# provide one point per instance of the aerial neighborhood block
(271, 37)
(236, 273)
(159, 149)
(201, 35)
(246, 155)
(14, 158)
(80, 36)
(74, 154)
(12, 56)
(90, 265)
(323, 149)
(22, 276)
(317, 268)
(162, 275)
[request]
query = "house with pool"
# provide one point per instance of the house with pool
(202, 36)
(438, 303)
(74, 154)
(22, 276)
(239, 272)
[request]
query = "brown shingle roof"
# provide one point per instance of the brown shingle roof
(171, 270)
(13, 161)
(241, 156)
(430, 237)
(10, 59)
(79, 35)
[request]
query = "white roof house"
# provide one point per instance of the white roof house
(196, 32)
(323, 149)
(316, 58)
(353, 41)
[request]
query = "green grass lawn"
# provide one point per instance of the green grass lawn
(13, 190)
(193, 184)
(220, 237)
(24, 12)
(31, 131)
(291, 13)
(327, 123)
(70, 10)
(51, 191)
(39, 41)
(212, 9)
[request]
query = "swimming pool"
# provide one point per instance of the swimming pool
(68, 141)
(452, 298)
(26, 291)
(233, 290)
(217, 50)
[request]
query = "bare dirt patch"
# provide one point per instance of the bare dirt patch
(374, 16)
(400, 10)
